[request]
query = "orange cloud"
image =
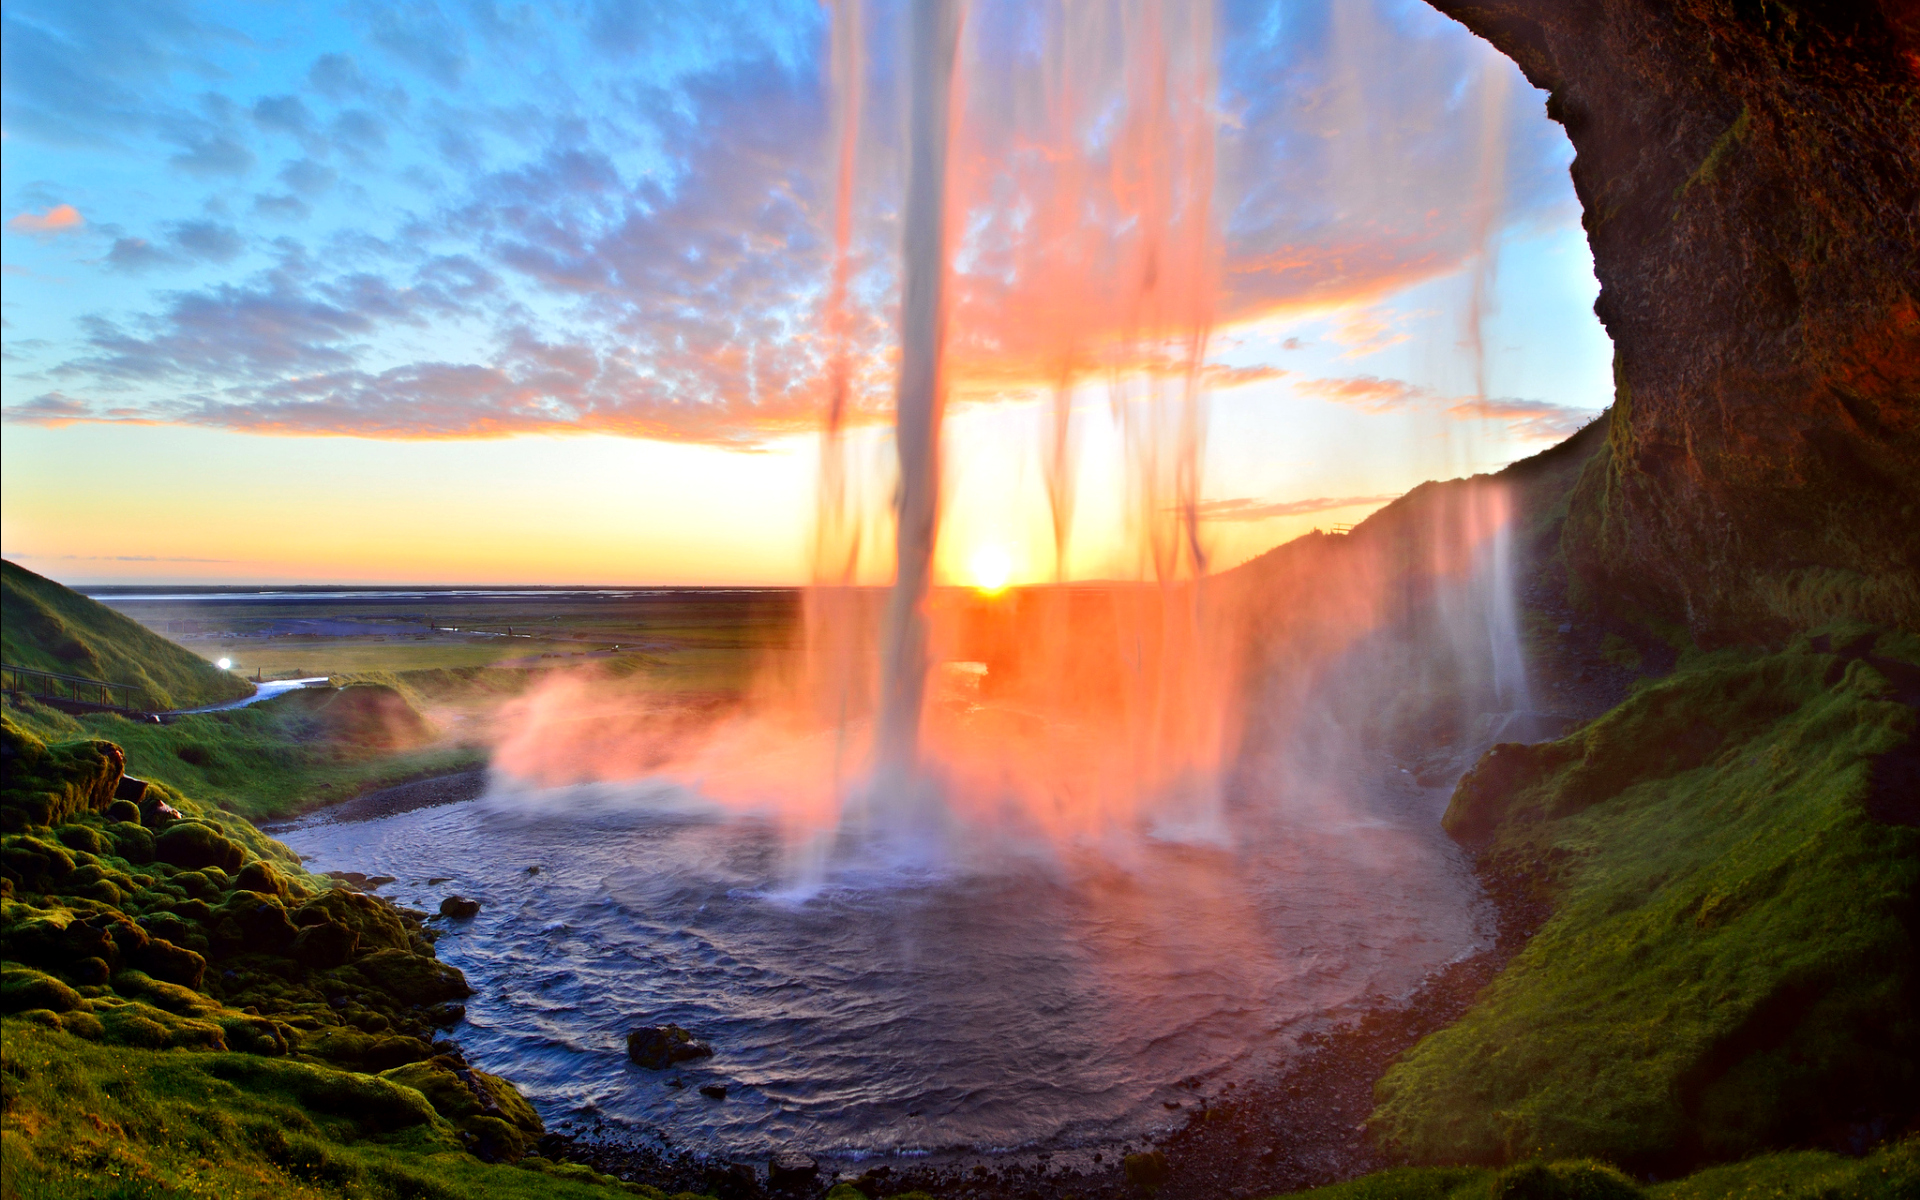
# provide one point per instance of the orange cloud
(1243, 508)
(61, 218)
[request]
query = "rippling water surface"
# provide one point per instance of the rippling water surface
(1014, 994)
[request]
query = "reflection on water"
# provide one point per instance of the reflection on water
(1014, 995)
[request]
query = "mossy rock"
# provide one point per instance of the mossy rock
(360, 1050)
(198, 845)
(23, 989)
(1578, 1180)
(131, 840)
(85, 837)
(138, 1024)
(169, 963)
(252, 923)
(51, 784)
(325, 946)
(373, 1104)
(35, 862)
(261, 876)
(497, 1119)
(181, 1001)
(375, 922)
(413, 978)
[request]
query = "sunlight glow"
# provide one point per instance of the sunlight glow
(991, 568)
(225, 664)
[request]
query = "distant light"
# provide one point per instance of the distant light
(991, 568)
(225, 664)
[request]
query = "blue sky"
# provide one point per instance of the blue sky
(579, 250)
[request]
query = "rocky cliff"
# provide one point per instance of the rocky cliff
(1750, 175)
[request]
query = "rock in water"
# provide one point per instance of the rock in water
(459, 908)
(657, 1047)
(714, 1091)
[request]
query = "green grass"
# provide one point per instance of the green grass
(271, 759)
(52, 628)
(87, 1121)
(1730, 965)
(1890, 1172)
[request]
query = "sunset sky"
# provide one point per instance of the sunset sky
(478, 293)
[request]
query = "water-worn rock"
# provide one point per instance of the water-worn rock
(459, 908)
(657, 1047)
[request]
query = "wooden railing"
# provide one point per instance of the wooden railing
(58, 689)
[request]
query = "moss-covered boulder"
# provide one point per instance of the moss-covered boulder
(44, 785)
(375, 923)
(198, 844)
(252, 923)
(1574, 1180)
(131, 840)
(23, 988)
(413, 978)
(496, 1120)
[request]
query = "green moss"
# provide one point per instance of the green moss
(1888, 1173)
(89, 1121)
(491, 1115)
(1718, 154)
(1731, 957)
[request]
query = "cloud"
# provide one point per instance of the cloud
(61, 218)
(1221, 377)
(133, 255)
(283, 114)
(186, 242)
(645, 250)
(337, 77)
(1533, 420)
(307, 177)
(284, 208)
(216, 154)
(1247, 509)
(209, 241)
(421, 36)
(1367, 392)
(53, 409)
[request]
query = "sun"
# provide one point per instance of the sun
(991, 567)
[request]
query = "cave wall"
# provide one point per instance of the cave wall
(1749, 172)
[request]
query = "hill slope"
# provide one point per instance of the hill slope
(53, 628)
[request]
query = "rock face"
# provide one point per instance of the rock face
(1750, 175)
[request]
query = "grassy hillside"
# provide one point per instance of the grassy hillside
(1732, 963)
(281, 756)
(52, 628)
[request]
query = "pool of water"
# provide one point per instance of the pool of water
(1006, 992)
